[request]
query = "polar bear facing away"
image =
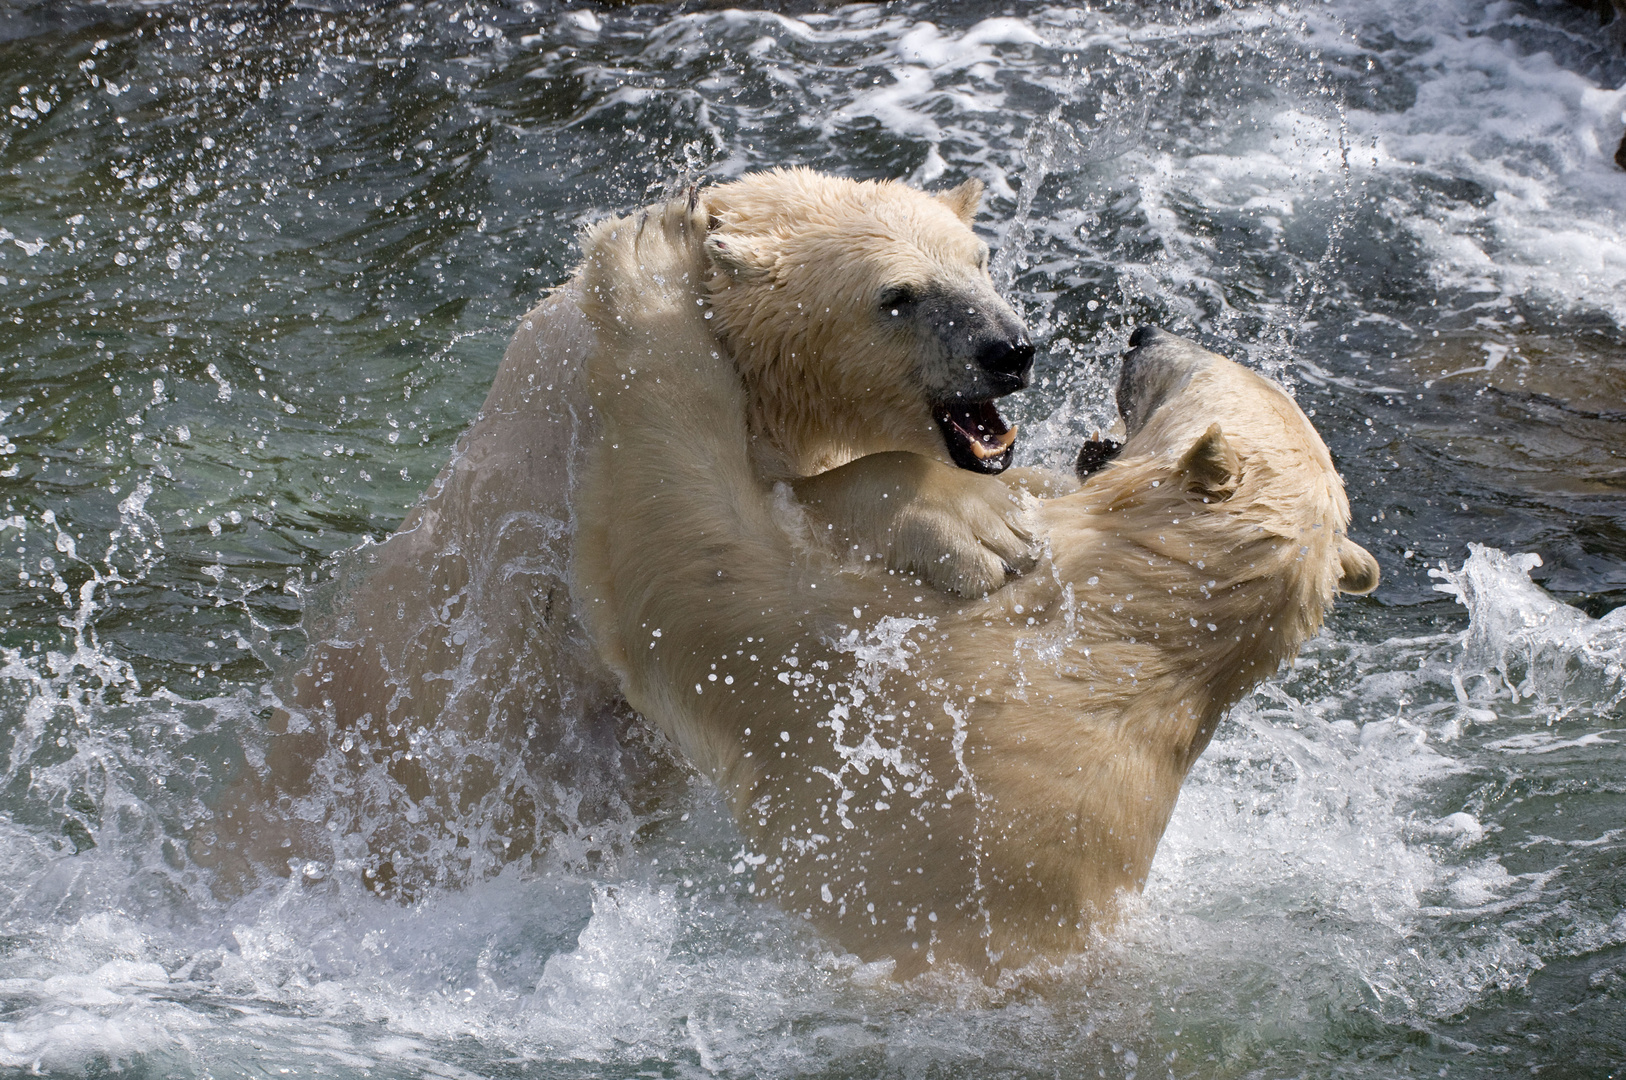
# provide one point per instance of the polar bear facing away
(451, 699)
(929, 778)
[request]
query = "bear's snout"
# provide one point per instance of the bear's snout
(1007, 359)
(1158, 365)
(982, 346)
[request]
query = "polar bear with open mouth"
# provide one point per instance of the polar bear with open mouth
(451, 700)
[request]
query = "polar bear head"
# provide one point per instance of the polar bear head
(862, 319)
(1221, 511)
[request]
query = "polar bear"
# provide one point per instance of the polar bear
(931, 779)
(450, 694)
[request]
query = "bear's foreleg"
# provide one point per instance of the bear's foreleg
(962, 532)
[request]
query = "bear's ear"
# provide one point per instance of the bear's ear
(1211, 467)
(965, 200)
(742, 256)
(1359, 570)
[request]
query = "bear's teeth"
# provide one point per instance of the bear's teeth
(995, 446)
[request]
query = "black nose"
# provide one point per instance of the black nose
(1147, 335)
(1009, 358)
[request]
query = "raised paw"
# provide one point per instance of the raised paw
(674, 248)
(962, 532)
(639, 267)
(964, 538)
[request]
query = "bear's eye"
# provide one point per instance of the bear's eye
(894, 298)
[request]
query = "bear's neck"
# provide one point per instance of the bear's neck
(792, 440)
(1084, 745)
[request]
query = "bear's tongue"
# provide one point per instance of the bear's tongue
(977, 436)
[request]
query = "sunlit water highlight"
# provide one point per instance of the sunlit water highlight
(259, 264)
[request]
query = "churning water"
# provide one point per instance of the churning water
(258, 263)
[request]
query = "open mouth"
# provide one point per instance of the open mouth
(977, 436)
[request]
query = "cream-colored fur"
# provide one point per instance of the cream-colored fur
(795, 263)
(455, 662)
(797, 259)
(930, 779)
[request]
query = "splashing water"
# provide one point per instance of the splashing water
(1516, 628)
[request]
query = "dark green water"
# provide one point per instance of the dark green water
(258, 264)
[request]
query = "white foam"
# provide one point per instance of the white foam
(592, 998)
(1538, 138)
(1521, 642)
